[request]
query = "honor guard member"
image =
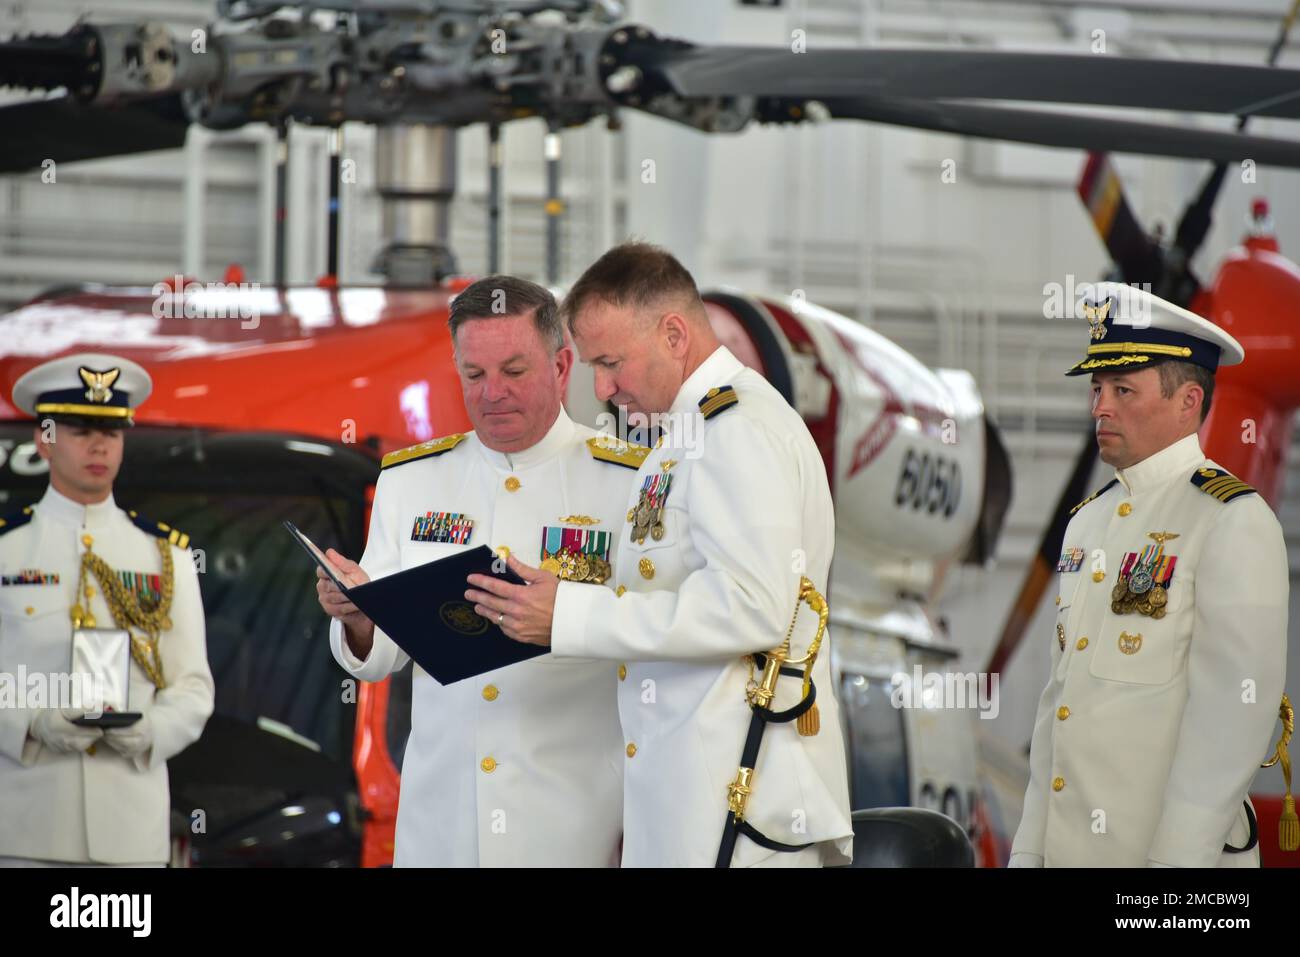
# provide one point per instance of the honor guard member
(730, 511)
(85, 795)
(520, 766)
(1169, 648)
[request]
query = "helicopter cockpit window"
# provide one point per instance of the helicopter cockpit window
(878, 772)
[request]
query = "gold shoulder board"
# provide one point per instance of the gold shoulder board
(606, 448)
(1219, 484)
(716, 400)
(161, 530)
(422, 451)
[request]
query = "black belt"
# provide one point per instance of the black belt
(758, 723)
(1254, 833)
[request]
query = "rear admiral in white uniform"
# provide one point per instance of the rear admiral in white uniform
(72, 794)
(520, 766)
(1169, 649)
(730, 511)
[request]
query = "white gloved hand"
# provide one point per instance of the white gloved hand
(54, 729)
(133, 740)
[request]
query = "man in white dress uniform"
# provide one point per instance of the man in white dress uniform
(88, 795)
(520, 766)
(1169, 650)
(731, 509)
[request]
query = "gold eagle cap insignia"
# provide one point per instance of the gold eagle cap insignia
(1097, 316)
(98, 384)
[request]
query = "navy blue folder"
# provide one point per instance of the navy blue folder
(424, 610)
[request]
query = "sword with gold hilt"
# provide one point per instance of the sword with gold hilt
(1288, 826)
(760, 695)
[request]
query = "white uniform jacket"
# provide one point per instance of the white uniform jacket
(1150, 730)
(100, 807)
(520, 766)
(748, 512)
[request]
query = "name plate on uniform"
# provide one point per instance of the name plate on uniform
(101, 671)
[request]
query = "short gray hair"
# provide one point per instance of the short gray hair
(496, 297)
(633, 274)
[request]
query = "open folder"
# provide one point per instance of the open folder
(424, 610)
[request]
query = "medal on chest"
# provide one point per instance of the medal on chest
(576, 554)
(647, 517)
(1144, 579)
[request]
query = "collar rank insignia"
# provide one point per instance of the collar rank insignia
(1070, 561)
(447, 528)
(1144, 580)
(717, 400)
(30, 576)
(577, 554)
(1220, 484)
(1097, 316)
(1097, 494)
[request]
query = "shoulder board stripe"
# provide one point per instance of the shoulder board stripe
(1223, 483)
(15, 519)
(161, 530)
(608, 449)
(723, 397)
(1220, 485)
(422, 451)
(1097, 494)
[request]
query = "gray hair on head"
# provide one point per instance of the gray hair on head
(498, 297)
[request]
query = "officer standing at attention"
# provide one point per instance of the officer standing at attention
(1169, 650)
(730, 512)
(520, 766)
(85, 795)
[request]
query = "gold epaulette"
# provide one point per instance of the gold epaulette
(1220, 484)
(161, 530)
(1097, 494)
(422, 451)
(606, 448)
(715, 400)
